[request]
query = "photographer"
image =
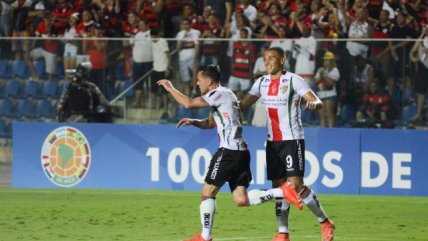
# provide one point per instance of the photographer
(82, 101)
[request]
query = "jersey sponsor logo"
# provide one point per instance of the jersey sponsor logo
(66, 156)
(216, 167)
(300, 155)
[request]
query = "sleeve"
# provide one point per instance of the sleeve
(255, 89)
(164, 45)
(213, 98)
(300, 85)
(179, 35)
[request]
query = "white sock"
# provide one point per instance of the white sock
(282, 210)
(207, 210)
(310, 199)
(257, 196)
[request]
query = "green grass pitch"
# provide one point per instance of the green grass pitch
(103, 215)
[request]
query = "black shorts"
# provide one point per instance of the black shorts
(421, 81)
(155, 88)
(229, 166)
(285, 159)
(138, 71)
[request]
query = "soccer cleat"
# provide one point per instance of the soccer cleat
(198, 237)
(290, 195)
(281, 237)
(327, 230)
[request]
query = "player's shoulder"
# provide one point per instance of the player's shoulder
(294, 76)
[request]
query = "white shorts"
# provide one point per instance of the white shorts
(239, 84)
(186, 69)
(70, 50)
(50, 59)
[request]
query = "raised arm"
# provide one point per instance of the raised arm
(182, 99)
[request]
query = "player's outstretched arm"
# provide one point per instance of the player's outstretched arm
(203, 124)
(312, 101)
(182, 99)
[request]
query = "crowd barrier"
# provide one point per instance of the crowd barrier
(152, 156)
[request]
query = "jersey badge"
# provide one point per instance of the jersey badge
(284, 89)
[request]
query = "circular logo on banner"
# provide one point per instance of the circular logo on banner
(66, 156)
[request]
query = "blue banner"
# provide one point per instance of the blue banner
(131, 156)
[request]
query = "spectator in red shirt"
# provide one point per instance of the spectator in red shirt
(60, 13)
(380, 53)
(376, 110)
(272, 21)
(129, 30)
(150, 10)
(172, 10)
(49, 47)
(209, 48)
(110, 18)
(95, 48)
(85, 27)
(243, 58)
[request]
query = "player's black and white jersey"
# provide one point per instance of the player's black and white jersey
(225, 109)
(281, 98)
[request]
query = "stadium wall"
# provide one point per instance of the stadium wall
(152, 156)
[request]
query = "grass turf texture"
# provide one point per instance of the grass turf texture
(75, 214)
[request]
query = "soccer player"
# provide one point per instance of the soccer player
(231, 162)
(281, 92)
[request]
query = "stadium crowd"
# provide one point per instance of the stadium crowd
(330, 43)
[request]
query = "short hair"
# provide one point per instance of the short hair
(211, 71)
(279, 50)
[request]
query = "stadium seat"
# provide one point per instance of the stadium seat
(6, 107)
(3, 69)
(19, 69)
(30, 89)
(11, 88)
(24, 108)
(39, 65)
(45, 109)
(50, 89)
(8, 69)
